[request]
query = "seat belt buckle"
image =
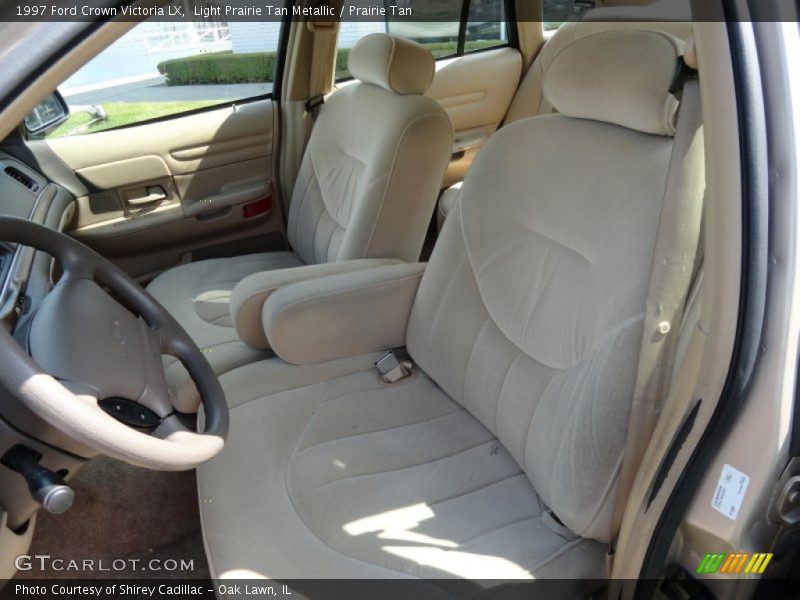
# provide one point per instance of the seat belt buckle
(390, 368)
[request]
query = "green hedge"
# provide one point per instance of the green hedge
(220, 67)
(259, 67)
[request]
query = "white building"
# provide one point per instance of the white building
(263, 36)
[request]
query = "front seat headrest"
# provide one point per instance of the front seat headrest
(620, 77)
(395, 64)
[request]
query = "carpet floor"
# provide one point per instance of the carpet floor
(123, 512)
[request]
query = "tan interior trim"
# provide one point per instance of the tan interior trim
(530, 30)
(295, 123)
(704, 373)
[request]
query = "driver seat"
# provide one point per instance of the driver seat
(498, 457)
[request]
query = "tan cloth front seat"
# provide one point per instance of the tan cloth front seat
(366, 188)
(498, 458)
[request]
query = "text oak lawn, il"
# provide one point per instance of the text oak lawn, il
(267, 10)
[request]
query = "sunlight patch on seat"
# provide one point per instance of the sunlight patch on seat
(460, 564)
(399, 519)
(404, 535)
(398, 525)
(214, 297)
(241, 574)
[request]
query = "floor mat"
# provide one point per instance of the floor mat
(130, 522)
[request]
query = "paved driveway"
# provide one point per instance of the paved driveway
(154, 90)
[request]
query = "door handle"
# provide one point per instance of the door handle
(153, 193)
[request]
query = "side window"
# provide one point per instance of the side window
(486, 25)
(442, 26)
(166, 68)
(555, 12)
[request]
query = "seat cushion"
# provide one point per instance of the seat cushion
(343, 476)
(198, 295)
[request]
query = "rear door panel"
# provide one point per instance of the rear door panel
(476, 90)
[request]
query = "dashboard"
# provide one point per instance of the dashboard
(25, 275)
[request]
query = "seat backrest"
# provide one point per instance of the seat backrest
(531, 310)
(374, 164)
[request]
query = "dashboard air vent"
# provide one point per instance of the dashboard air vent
(22, 178)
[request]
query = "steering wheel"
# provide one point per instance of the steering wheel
(94, 368)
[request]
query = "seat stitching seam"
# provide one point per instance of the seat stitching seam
(304, 195)
(442, 297)
(477, 489)
(469, 358)
(215, 321)
(403, 468)
(492, 530)
(371, 387)
(292, 389)
(205, 349)
(535, 408)
(322, 213)
(556, 553)
(336, 227)
(382, 430)
(500, 392)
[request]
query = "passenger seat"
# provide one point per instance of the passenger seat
(366, 188)
(499, 457)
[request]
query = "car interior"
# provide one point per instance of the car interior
(440, 320)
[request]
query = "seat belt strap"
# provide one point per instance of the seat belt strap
(320, 80)
(299, 123)
(673, 268)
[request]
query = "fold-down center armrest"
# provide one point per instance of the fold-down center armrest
(249, 295)
(342, 315)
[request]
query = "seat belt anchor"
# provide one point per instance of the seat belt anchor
(390, 368)
(683, 73)
(314, 103)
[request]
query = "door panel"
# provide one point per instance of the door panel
(168, 191)
(476, 90)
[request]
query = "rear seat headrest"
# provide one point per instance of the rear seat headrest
(620, 77)
(396, 64)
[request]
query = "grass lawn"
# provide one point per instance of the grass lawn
(124, 113)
